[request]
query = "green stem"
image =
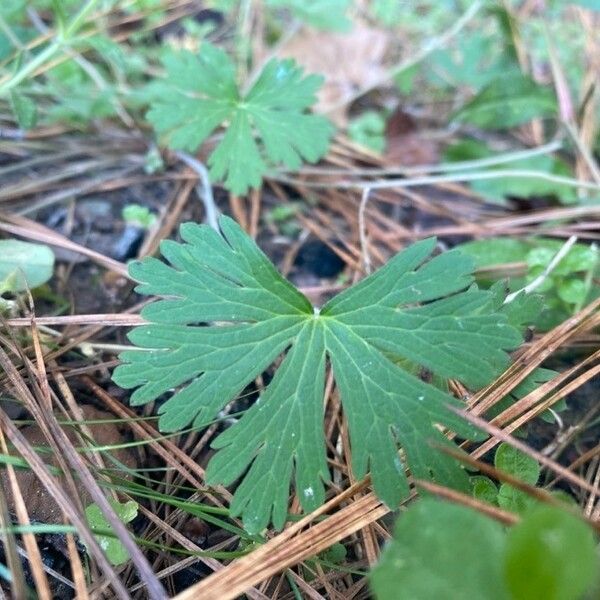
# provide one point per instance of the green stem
(79, 19)
(45, 55)
(36, 62)
(10, 34)
(588, 282)
(380, 184)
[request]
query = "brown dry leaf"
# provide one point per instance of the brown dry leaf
(348, 61)
(40, 504)
(405, 145)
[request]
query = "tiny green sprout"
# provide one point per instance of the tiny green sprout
(112, 546)
(368, 130)
(138, 216)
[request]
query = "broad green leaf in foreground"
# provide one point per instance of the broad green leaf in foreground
(552, 555)
(442, 550)
(267, 126)
(415, 309)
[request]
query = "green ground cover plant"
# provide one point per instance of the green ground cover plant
(566, 289)
(503, 100)
(201, 92)
(420, 310)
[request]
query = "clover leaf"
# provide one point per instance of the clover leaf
(226, 315)
(267, 126)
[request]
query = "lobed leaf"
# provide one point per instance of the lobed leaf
(267, 126)
(225, 314)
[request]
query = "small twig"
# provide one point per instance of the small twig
(106, 320)
(530, 287)
(382, 184)
(204, 190)
(48, 569)
(424, 169)
(585, 152)
(48, 236)
(364, 244)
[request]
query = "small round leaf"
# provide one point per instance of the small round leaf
(24, 265)
(551, 555)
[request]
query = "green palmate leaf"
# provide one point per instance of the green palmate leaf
(484, 489)
(522, 466)
(267, 126)
(517, 463)
(415, 309)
